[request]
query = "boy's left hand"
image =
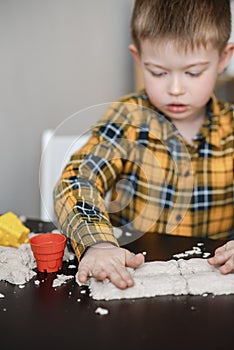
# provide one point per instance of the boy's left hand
(224, 258)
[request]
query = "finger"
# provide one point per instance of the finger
(227, 246)
(219, 259)
(220, 250)
(134, 261)
(119, 278)
(221, 255)
(83, 273)
(227, 267)
(126, 276)
(99, 273)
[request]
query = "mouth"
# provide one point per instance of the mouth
(177, 107)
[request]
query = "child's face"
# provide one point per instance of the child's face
(180, 83)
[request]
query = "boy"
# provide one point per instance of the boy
(168, 149)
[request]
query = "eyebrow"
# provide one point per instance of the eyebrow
(203, 63)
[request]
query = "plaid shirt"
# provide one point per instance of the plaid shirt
(155, 180)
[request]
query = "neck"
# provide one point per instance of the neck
(189, 128)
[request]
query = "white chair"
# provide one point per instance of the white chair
(56, 151)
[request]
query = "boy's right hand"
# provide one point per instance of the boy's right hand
(103, 260)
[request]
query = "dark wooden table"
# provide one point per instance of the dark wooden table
(42, 317)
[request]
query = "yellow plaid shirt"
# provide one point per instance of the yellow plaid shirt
(155, 180)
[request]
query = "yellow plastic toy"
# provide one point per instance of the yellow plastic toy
(12, 231)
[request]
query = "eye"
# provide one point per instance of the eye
(157, 74)
(193, 74)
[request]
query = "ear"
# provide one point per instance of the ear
(225, 57)
(135, 53)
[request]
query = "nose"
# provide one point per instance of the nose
(176, 86)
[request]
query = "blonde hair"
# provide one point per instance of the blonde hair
(189, 23)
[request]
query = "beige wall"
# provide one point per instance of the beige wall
(57, 57)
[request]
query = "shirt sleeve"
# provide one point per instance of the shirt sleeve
(79, 194)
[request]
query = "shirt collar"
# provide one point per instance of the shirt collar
(161, 127)
(211, 128)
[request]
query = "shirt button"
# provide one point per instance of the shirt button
(187, 173)
(179, 217)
